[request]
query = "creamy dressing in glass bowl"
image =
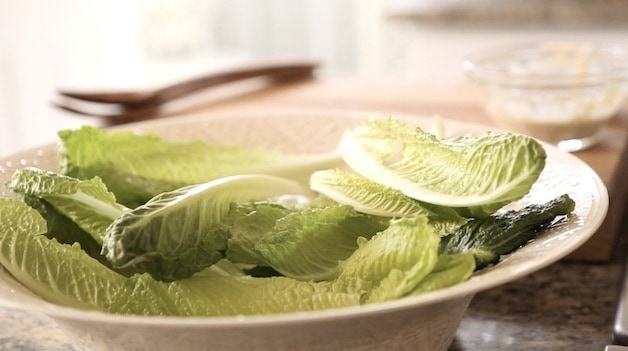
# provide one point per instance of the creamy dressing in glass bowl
(560, 92)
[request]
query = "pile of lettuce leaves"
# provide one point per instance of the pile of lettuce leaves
(137, 224)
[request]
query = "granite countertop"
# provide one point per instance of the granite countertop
(566, 306)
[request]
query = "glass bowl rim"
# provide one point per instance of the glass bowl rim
(474, 63)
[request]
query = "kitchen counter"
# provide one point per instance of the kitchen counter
(569, 305)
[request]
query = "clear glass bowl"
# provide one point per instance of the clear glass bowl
(562, 92)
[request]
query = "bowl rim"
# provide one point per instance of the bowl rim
(474, 64)
(466, 290)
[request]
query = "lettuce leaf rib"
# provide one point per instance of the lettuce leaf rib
(373, 198)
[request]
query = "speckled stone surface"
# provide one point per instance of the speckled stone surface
(22, 331)
(567, 306)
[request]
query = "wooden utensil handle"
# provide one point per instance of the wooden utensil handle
(273, 70)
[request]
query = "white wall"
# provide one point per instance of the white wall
(49, 44)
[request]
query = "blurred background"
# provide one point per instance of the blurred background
(138, 44)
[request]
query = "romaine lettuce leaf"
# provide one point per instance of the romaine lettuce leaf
(65, 230)
(88, 203)
(307, 245)
(491, 237)
(177, 233)
(59, 273)
(392, 263)
(138, 167)
(476, 175)
(367, 196)
(208, 294)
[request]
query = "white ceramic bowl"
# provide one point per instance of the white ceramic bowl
(563, 92)
(427, 322)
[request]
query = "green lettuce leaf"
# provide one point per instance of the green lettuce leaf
(392, 263)
(449, 270)
(59, 273)
(307, 245)
(208, 294)
(491, 237)
(246, 224)
(178, 233)
(65, 230)
(138, 167)
(476, 175)
(367, 196)
(88, 203)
